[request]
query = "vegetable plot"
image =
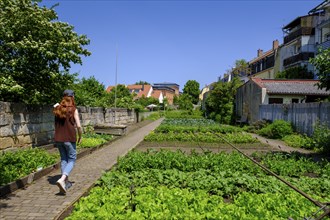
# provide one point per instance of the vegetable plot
(173, 185)
(17, 164)
(198, 130)
(94, 140)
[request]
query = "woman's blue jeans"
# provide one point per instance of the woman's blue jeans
(68, 156)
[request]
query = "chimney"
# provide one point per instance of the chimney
(275, 44)
(260, 52)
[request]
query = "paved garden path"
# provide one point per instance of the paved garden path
(41, 200)
(280, 145)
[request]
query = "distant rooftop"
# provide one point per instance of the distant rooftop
(167, 84)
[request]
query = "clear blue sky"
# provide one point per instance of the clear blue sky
(174, 41)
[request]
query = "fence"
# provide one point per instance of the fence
(303, 116)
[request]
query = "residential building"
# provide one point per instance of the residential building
(174, 86)
(140, 91)
(322, 29)
(299, 43)
(270, 91)
(203, 95)
(145, 90)
(169, 90)
(263, 65)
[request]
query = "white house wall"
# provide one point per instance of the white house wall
(150, 92)
(287, 99)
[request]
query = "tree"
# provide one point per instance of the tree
(185, 102)
(220, 101)
(142, 83)
(90, 92)
(145, 101)
(322, 64)
(191, 88)
(36, 52)
(120, 96)
(241, 68)
(298, 72)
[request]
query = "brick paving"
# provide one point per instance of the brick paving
(41, 200)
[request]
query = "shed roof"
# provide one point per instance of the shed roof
(293, 87)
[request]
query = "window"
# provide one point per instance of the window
(275, 101)
(295, 100)
(327, 37)
(297, 49)
(325, 33)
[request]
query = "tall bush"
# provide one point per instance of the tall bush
(321, 137)
(277, 130)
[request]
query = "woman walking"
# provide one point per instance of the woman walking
(66, 123)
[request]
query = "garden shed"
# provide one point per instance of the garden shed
(259, 91)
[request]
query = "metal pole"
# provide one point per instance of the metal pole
(116, 76)
(116, 81)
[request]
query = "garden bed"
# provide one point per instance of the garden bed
(24, 181)
(171, 176)
(163, 184)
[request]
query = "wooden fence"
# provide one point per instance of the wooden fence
(303, 116)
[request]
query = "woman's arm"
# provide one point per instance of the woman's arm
(76, 118)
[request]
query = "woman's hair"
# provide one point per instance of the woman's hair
(66, 108)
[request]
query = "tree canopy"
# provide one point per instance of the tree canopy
(120, 97)
(191, 88)
(185, 102)
(90, 92)
(36, 52)
(241, 68)
(298, 72)
(142, 83)
(220, 101)
(322, 64)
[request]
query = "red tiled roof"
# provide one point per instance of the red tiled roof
(109, 88)
(143, 90)
(134, 87)
(156, 94)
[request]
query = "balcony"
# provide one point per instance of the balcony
(297, 58)
(324, 45)
(300, 32)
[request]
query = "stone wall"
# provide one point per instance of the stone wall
(33, 125)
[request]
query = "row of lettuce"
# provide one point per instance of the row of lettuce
(20, 163)
(162, 184)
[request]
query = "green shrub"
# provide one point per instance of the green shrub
(321, 137)
(298, 141)
(277, 130)
(153, 116)
(94, 140)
